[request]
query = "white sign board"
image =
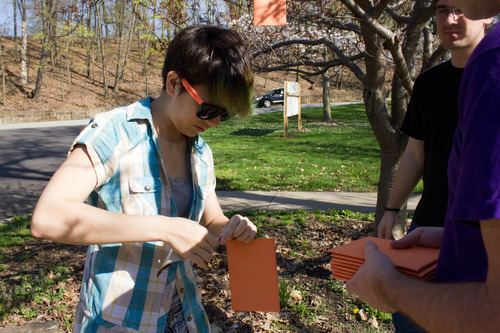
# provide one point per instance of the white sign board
(292, 102)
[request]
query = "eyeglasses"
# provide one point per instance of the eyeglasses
(442, 13)
(205, 111)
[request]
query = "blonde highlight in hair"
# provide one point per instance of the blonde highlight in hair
(216, 58)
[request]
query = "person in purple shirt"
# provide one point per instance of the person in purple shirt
(466, 295)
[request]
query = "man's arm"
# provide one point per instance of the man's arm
(409, 173)
(62, 216)
(459, 307)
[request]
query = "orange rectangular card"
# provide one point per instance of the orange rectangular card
(269, 12)
(253, 275)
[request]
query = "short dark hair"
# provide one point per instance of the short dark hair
(217, 58)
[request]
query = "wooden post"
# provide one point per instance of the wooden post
(285, 116)
(300, 111)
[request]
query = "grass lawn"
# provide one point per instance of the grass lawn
(40, 280)
(252, 154)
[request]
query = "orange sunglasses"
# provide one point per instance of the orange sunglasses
(205, 111)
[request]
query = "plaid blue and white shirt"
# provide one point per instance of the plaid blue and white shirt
(128, 287)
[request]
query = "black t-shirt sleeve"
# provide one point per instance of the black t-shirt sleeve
(413, 124)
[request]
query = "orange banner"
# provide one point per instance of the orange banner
(269, 12)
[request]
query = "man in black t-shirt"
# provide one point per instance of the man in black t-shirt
(430, 123)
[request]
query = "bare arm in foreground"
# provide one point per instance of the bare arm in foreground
(460, 307)
(61, 215)
(409, 172)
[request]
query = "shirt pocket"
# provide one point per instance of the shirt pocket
(144, 196)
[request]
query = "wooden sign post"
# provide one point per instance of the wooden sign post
(291, 104)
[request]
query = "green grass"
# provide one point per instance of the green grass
(24, 292)
(251, 154)
(15, 233)
(295, 218)
(27, 293)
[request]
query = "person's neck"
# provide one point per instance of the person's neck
(459, 59)
(162, 124)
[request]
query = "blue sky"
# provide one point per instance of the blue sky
(6, 18)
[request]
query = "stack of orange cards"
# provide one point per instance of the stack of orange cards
(253, 275)
(418, 262)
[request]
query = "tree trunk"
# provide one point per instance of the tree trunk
(61, 76)
(68, 63)
(154, 4)
(89, 38)
(48, 18)
(14, 2)
(53, 55)
(41, 70)
(385, 122)
(146, 66)
(392, 144)
(4, 98)
(92, 73)
(121, 33)
(104, 20)
(23, 68)
(130, 35)
(338, 83)
(93, 46)
(103, 56)
(145, 58)
(327, 110)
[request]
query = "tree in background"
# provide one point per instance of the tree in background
(2, 68)
(366, 37)
(23, 65)
(381, 34)
(123, 30)
(100, 19)
(48, 14)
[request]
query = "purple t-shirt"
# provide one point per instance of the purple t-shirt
(474, 167)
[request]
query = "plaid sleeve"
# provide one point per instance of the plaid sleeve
(103, 139)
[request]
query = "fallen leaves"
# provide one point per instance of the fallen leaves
(302, 256)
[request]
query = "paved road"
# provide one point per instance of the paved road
(30, 153)
(28, 158)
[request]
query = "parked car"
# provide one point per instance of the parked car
(274, 96)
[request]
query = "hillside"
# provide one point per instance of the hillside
(70, 94)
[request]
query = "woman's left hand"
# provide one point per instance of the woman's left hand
(239, 228)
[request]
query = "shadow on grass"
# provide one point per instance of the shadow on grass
(253, 131)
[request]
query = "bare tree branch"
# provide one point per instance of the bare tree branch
(402, 19)
(342, 58)
(325, 65)
(434, 58)
(391, 43)
(332, 23)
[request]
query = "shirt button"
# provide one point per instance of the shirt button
(94, 125)
(181, 290)
(147, 187)
(190, 318)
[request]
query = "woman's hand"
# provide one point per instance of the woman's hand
(191, 240)
(239, 228)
